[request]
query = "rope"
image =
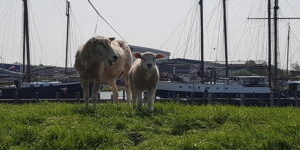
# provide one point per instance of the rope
(106, 21)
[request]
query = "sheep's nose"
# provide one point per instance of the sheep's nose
(149, 65)
(115, 58)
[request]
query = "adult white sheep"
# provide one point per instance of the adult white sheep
(103, 60)
(144, 76)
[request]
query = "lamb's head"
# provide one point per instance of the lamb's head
(101, 49)
(148, 59)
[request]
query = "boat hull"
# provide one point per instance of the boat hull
(164, 90)
(199, 90)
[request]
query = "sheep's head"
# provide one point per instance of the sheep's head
(101, 49)
(148, 59)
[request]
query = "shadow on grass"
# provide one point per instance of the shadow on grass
(143, 112)
(83, 111)
(136, 138)
(183, 125)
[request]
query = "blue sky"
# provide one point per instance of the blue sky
(155, 24)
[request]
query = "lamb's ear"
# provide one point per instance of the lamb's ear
(159, 56)
(112, 38)
(137, 55)
(92, 40)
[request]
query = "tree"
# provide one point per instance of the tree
(242, 72)
(250, 63)
(295, 66)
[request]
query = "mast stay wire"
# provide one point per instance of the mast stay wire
(180, 45)
(74, 40)
(260, 34)
(176, 28)
(96, 27)
(76, 24)
(38, 37)
(285, 53)
(292, 37)
(6, 28)
(252, 39)
(215, 10)
(217, 25)
(291, 7)
(60, 11)
(106, 21)
(190, 32)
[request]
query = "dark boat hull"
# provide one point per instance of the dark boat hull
(61, 90)
(68, 90)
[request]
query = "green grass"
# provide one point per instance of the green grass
(52, 126)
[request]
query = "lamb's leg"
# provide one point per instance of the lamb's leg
(151, 98)
(95, 91)
(139, 99)
(134, 97)
(86, 94)
(115, 92)
(128, 91)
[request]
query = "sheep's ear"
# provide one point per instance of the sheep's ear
(112, 38)
(159, 56)
(137, 55)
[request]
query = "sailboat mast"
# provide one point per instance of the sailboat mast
(275, 42)
(288, 51)
(24, 41)
(67, 40)
(202, 40)
(269, 45)
(225, 37)
(26, 45)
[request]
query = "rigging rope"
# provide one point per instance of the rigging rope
(190, 32)
(96, 27)
(76, 24)
(37, 36)
(106, 21)
(177, 28)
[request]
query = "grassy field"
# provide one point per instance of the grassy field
(52, 126)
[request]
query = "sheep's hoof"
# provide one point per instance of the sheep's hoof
(118, 107)
(139, 108)
(151, 109)
(133, 106)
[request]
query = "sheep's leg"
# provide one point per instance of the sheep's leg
(139, 99)
(115, 92)
(151, 98)
(95, 91)
(86, 94)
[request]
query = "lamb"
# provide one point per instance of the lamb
(144, 76)
(103, 60)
